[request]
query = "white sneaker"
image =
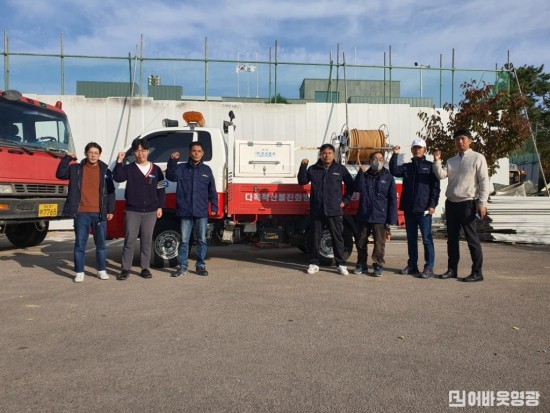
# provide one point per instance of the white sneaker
(312, 269)
(102, 275)
(342, 270)
(79, 277)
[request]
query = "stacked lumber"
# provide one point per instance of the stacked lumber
(517, 219)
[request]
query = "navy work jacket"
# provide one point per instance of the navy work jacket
(195, 188)
(421, 187)
(378, 203)
(326, 187)
(73, 172)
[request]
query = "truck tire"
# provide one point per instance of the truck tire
(348, 241)
(166, 241)
(26, 235)
(326, 255)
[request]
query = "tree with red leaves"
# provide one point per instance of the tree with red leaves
(495, 118)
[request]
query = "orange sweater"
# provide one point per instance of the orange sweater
(89, 201)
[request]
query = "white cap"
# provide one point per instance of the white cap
(418, 142)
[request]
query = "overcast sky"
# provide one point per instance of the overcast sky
(481, 32)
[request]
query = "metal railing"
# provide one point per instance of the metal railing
(208, 78)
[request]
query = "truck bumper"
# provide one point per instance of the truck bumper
(30, 209)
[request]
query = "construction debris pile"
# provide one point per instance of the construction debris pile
(517, 214)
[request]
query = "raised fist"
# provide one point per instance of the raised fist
(121, 156)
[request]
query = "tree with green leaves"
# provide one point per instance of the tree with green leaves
(495, 118)
(278, 98)
(535, 85)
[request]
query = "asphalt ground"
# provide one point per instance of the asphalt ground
(260, 335)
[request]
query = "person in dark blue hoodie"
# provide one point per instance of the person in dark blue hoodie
(195, 189)
(419, 197)
(377, 211)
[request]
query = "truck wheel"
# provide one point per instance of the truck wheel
(326, 253)
(348, 242)
(325, 249)
(26, 235)
(166, 240)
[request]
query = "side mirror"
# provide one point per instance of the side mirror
(169, 123)
(231, 115)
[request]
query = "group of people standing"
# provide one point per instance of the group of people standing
(91, 202)
(467, 195)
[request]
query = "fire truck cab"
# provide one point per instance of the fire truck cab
(33, 138)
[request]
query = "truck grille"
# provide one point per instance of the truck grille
(32, 189)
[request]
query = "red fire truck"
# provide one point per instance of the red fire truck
(258, 193)
(33, 137)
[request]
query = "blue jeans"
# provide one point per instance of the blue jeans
(83, 222)
(413, 221)
(187, 225)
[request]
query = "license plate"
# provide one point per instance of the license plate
(47, 210)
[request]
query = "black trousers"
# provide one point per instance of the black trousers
(336, 228)
(462, 215)
(378, 232)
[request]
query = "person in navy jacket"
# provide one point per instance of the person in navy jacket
(91, 202)
(195, 189)
(377, 211)
(145, 197)
(326, 204)
(419, 197)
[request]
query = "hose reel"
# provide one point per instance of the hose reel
(362, 143)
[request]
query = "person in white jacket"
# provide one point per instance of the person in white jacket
(467, 195)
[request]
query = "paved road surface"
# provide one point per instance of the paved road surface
(260, 335)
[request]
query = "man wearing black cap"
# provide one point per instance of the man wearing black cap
(326, 204)
(467, 194)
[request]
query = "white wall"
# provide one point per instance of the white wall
(105, 121)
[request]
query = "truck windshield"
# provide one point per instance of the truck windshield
(163, 143)
(34, 127)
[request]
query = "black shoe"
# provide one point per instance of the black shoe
(473, 277)
(409, 270)
(202, 271)
(427, 273)
(123, 275)
(448, 274)
(180, 272)
(145, 273)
